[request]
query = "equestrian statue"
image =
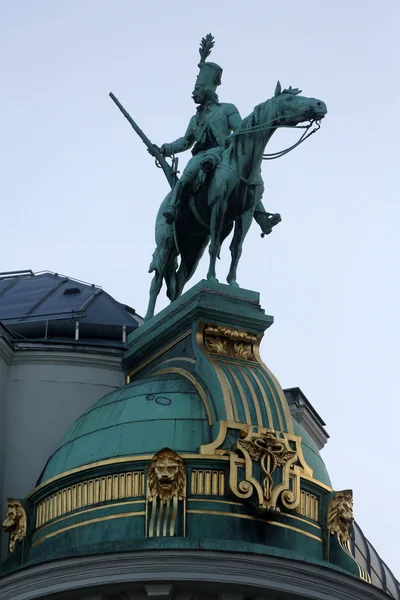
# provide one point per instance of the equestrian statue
(221, 186)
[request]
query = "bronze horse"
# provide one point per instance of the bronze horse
(225, 198)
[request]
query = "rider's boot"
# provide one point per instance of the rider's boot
(170, 214)
(266, 221)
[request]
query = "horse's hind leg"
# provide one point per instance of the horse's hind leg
(180, 282)
(155, 289)
(242, 226)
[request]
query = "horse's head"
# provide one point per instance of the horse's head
(293, 109)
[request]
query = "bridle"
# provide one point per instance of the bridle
(307, 133)
(278, 119)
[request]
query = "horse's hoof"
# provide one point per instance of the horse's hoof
(212, 279)
(233, 283)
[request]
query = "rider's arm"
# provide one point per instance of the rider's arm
(234, 118)
(182, 143)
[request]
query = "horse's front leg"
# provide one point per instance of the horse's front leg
(155, 289)
(242, 226)
(219, 206)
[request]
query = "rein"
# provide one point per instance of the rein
(307, 133)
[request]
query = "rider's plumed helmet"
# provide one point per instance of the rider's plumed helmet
(210, 73)
(209, 76)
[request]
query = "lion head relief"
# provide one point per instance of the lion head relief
(166, 476)
(340, 515)
(15, 522)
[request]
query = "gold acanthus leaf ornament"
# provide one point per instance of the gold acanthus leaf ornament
(15, 522)
(216, 345)
(243, 351)
(340, 515)
(226, 341)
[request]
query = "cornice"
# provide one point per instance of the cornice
(69, 356)
(253, 573)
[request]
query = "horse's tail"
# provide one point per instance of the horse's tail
(165, 264)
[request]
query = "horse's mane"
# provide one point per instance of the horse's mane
(246, 127)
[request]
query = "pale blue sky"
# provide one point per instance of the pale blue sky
(80, 193)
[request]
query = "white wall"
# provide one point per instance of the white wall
(48, 388)
(5, 360)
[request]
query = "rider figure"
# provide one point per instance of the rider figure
(206, 134)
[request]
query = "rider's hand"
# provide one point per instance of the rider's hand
(154, 148)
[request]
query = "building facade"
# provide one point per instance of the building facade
(163, 459)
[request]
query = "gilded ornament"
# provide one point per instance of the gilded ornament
(166, 476)
(340, 515)
(166, 489)
(226, 341)
(243, 351)
(216, 345)
(271, 452)
(15, 522)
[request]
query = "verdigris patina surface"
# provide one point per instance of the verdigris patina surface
(221, 187)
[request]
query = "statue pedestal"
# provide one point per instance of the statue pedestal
(211, 336)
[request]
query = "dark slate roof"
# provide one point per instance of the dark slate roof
(51, 307)
(368, 558)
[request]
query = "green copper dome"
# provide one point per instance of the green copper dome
(143, 417)
(312, 455)
(198, 450)
(140, 418)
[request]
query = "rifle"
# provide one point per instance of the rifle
(170, 172)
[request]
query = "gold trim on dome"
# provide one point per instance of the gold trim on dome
(226, 388)
(278, 408)
(316, 482)
(89, 522)
(86, 493)
(289, 516)
(241, 391)
(157, 354)
(78, 513)
(199, 388)
(308, 506)
(215, 500)
(207, 482)
(176, 359)
(231, 502)
(251, 518)
(255, 399)
(118, 461)
(220, 344)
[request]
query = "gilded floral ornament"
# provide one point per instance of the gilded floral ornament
(15, 522)
(229, 342)
(166, 487)
(340, 515)
(280, 479)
